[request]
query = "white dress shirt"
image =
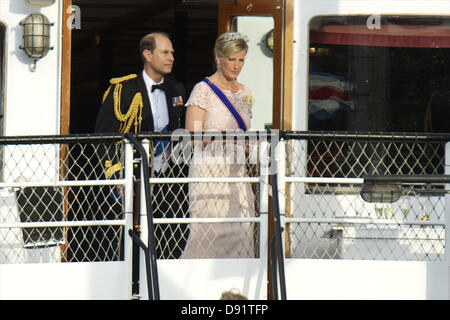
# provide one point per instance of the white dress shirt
(158, 103)
(158, 106)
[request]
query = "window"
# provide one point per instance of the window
(379, 74)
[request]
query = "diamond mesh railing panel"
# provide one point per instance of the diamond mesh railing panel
(62, 183)
(51, 201)
(57, 204)
(194, 200)
(332, 221)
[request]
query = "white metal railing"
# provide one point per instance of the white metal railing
(425, 235)
(289, 216)
(308, 217)
(260, 219)
(14, 232)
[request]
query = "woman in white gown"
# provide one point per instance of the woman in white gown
(220, 103)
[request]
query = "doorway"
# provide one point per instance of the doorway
(2, 75)
(107, 46)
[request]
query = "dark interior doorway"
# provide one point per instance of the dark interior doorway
(106, 46)
(2, 75)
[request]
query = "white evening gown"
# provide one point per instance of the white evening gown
(208, 200)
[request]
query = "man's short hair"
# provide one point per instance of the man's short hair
(148, 42)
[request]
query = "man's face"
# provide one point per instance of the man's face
(161, 60)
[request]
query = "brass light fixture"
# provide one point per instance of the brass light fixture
(268, 40)
(36, 36)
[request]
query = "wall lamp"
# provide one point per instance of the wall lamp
(36, 36)
(39, 3)
(268, 40)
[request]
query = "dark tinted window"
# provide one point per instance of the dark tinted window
(379, 73)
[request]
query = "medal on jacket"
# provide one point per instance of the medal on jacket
(177, 101)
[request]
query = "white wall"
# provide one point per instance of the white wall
(366, 280)
(32, 99)
(206, 279)
(31, 107)
(64, 281)
(188, 279)
(257, 73)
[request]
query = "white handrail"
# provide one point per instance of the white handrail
(56, 224)
(364, 221)
(206, 220)
(325, 180)
(74, 183)
(205, 180)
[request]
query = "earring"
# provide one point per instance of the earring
(218, 65)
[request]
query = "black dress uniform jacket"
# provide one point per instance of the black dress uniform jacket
(107, 121)
(168, 200)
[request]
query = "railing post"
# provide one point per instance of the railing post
(447, 207)
(280, 159)
(264, 203)
(144, 231)
(128, 208)
(264, 177)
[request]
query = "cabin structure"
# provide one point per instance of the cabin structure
(350, 170)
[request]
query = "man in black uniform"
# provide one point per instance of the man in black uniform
(150, 102)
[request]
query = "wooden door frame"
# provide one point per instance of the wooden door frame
(282, 11)
(66, 68)
(65, 107)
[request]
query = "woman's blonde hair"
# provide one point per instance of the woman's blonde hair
(229, 43)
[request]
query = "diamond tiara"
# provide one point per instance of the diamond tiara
(235, 36)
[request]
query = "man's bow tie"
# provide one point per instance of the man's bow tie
(158, 86)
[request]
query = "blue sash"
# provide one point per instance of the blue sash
(227, 103)
(161, 145)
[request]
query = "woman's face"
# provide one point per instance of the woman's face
(231, 66)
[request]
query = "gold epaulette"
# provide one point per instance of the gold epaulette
(122, 79)
(134, 113)
(111, 169)
(114, 81)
